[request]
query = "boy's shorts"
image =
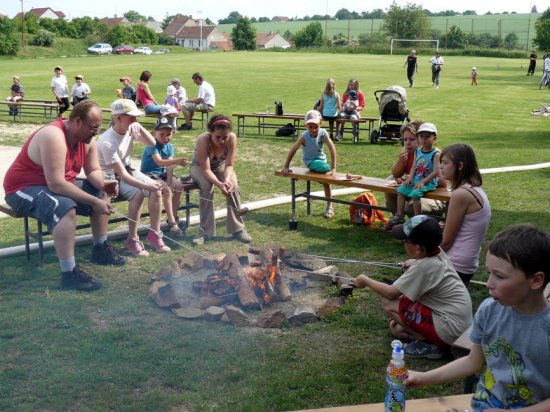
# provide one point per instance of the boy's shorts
(128, 191)
(409, 191)
(48, 207)
(319, 166)
(419, 317)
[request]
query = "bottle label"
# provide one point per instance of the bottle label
(395, 389)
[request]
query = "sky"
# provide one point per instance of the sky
(219, 9)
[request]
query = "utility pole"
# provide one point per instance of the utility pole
(528, 29)
(200, 41)
(22, 26)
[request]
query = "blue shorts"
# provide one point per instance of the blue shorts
(409, 191)
(49, 207)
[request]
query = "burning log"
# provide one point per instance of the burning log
(247, 296)
(254, 250)
(284, 293)
(231, 265)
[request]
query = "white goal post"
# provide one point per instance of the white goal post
(414, 40)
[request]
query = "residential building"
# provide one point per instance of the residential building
(269, 40)
(44, 13)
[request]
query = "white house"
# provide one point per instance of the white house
(269, 40)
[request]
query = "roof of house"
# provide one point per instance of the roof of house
(178, 24)
(223, 45)
(113, 21)
(280, 18)
(263, 38)
(39, 12)
(195, 32)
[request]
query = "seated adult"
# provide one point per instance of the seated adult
(469, 211)
(42, 183)
(402, 167)
(144, 95)
(213, 167)
(205, 101)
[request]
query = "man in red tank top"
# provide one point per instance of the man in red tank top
(41, 183)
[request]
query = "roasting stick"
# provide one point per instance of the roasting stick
(372, 263)
(233, 204)
(164, 236)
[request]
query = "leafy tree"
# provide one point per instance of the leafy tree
(510, 41)
(309, 36)
(118, 35)
(233, 17)
(209, 22)
(134, 16)
(456, 38)
(43, 38)
(263, 19)
(9, 45)
(376, 39)
(409, 22)
(166, 21)
(343, 14)
(166, 40)
(534, 9)
(243, 35)
(287, 35)
(85, 26)
(141, 34)
(542, 31)
(469, 13)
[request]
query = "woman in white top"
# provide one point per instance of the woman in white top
(437, 63)
(80, 91)
(469, 210)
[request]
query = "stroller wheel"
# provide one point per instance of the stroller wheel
(374, 137)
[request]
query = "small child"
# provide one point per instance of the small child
(172, 100)
(510, 333)
(428, 304)
(17, 92)
(329, 105)
(474, 76)
(314, 158)
(349, 108)
(128, 91)
(423, 176)
(158, 163)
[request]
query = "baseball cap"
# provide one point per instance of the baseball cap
(126, 78)
(427, 127)
(163, 123)
(125, 106)
(352, 95)
(474, 68)
(175, 80)
(171, 90)
(313, 116)
(58, 68)
(422, 230)
(79, 76)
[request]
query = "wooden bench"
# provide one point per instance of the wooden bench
(267, 121)
(340, 179)
(41, 231)
(20, 105)
(457, 403)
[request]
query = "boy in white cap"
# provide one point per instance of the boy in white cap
(314, 158)
(115, 147)
(423, 176)
(172, 100)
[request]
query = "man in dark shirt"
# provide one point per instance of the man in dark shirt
(532, 63)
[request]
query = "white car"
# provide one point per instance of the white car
(143, 50)
(100, 48)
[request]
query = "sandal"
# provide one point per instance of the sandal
(175, 230)
(329, 212)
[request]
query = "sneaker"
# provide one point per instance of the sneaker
(339, 137)
(79, 280)
(156, 241)
(186, 127)
(243, 211)
(242, 236)
(105, 254)
(329, 212)
(175, 230)
(181, 224)
(199, 239)
(136, 247)
(422, 349)
(394, 220)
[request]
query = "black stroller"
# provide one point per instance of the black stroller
(392, 105)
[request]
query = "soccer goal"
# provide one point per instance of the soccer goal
(414, 40)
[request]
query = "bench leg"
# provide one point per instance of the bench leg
(27, 238)
(308, 200)
(40, 244)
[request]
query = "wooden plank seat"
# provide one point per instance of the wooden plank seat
(41, 231)
(341, 179)
(24, 105)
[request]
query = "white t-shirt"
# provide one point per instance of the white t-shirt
(113, 147)
(80, 91)
(206, 93)
(60, 86)
(181, 94)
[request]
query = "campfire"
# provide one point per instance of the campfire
(272, 288)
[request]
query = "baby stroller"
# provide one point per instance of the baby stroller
(392, 105)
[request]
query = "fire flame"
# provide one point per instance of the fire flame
(263, 280)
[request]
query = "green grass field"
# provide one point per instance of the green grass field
(115, 350)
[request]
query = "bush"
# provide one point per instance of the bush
(9, 45)
(43, 38)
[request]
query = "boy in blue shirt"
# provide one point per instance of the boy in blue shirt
(511, 329)
(158, 163)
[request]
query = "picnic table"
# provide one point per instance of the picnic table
(47, 105)
(343, 179)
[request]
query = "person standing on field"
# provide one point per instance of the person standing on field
(412, 66)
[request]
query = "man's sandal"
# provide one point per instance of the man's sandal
(329, 212)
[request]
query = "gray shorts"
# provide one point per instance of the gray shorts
(194, 107)
(49, 207)
(127, 191)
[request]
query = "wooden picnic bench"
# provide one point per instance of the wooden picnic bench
(40, 232)
(438, 404)
(341, 179)
(46, 105)
(270, 121)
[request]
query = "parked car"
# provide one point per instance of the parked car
(100, 48)
(123, 49)
(143, 50)
(163, 51)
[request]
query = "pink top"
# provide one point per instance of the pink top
(464, 254)
(142, 96)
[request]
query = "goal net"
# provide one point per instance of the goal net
(413, 41)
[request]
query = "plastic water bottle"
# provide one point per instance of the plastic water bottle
(396, 372)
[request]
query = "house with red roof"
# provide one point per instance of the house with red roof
(45, 13)
(269, 40)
